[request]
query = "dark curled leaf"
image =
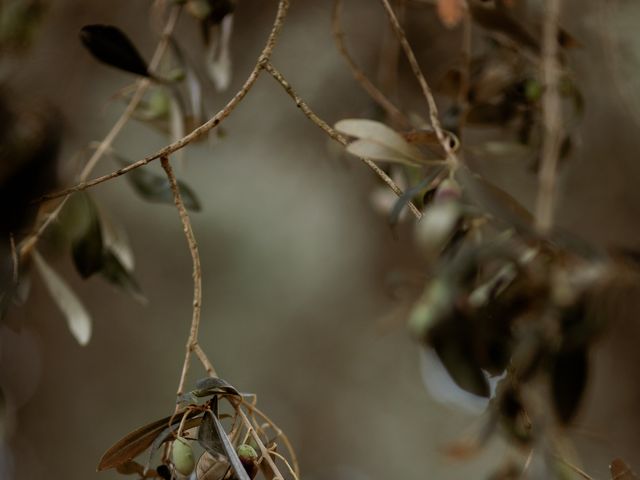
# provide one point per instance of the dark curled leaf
(138, 441)
(156, 188)
(209, 439)
(111, 46)
(227, 447)
(568, 381)
(212, 385)
(115, 273)
(87, 249)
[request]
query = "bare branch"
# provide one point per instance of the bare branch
(335, 135)
(192, 342)
(426, 90)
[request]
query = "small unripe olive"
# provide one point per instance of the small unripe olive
(182, 456)
(248, 456)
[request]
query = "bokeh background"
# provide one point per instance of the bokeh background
(304, 282)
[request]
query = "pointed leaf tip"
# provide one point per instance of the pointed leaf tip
(110, 45)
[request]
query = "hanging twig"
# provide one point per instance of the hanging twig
(192, 342)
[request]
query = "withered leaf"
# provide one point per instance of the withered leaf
(111, 46)
(226, 446)
(138, 441)
(213, 385)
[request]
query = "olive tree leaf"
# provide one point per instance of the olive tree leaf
(156, 188)
(87, 248)
(110, 45)
(209, 438)
(117, 274)
(213, 385)
(78, 318)
(136, 442)
(377, 141)
(216, 433)
(218, 59)
(117, 242)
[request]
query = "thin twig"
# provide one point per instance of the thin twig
(142, 86)
(426, 90)
(374, 92)
(205, 127)
(192, 341)
(335, 135)
(552, 118)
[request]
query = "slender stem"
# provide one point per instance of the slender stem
(335, 135)
(192, 342)
(426, 90)
(552, 118)
(374, 92)
(210, 124)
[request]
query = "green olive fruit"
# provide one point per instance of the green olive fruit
(182, 456)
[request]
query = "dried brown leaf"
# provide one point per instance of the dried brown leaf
(139, 440)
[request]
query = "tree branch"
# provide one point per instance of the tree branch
(335, 135)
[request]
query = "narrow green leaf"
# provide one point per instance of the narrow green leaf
(115, 273)
(155, 188)
(77, 316)
(110, 45)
